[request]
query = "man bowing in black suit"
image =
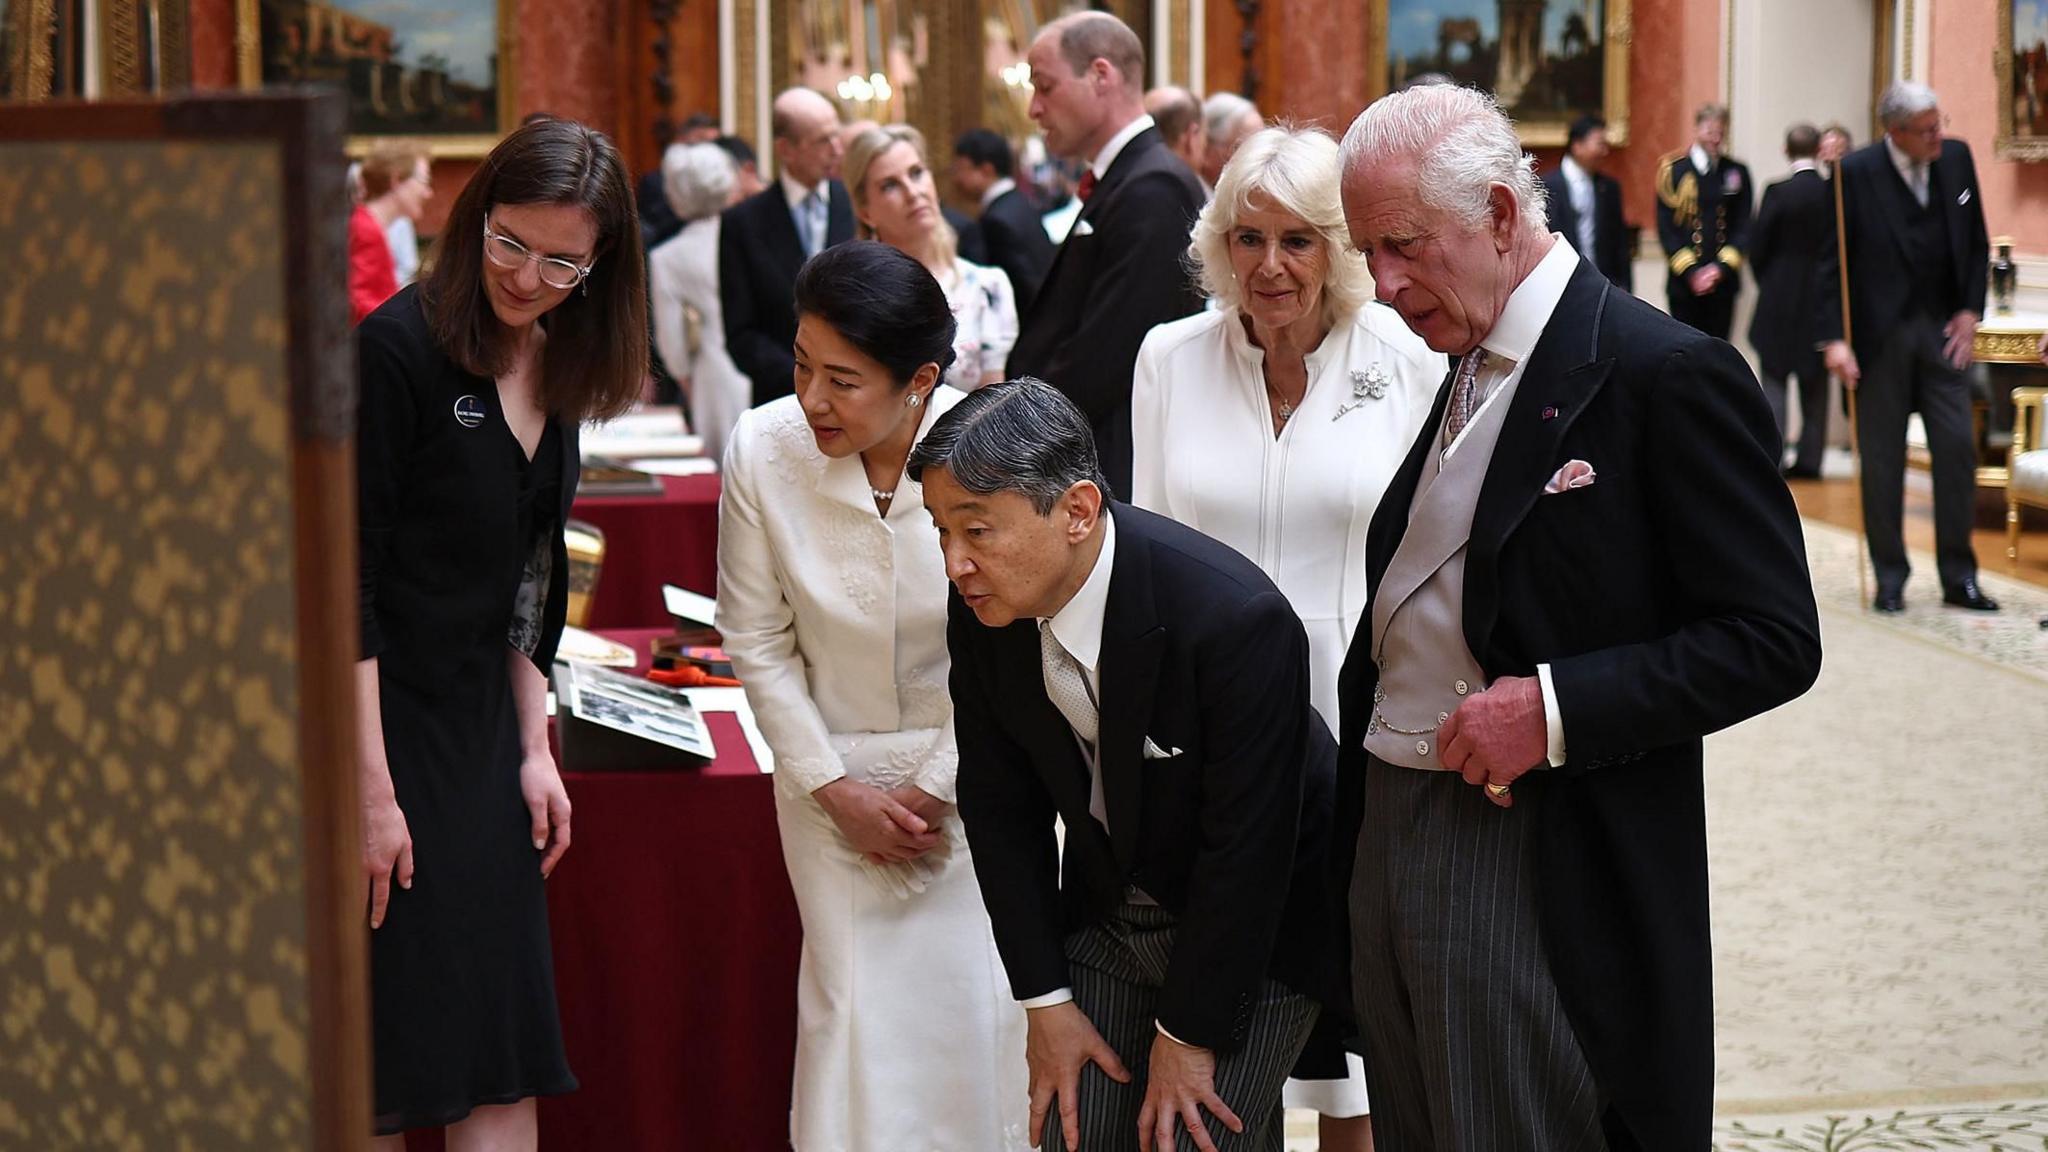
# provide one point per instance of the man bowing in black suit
(764, 239)
(1917, 253)
(1586, 563)
(1784, 247)
(1119, 273)
(1584, 203)
(1149, 687)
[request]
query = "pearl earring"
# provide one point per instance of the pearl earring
(914, 400)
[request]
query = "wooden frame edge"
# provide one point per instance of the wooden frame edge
(464, 146)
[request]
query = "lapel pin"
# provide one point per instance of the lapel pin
(1963, 197)
(1550, 413)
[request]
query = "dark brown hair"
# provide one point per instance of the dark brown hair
(596, 351)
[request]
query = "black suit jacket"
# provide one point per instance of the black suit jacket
(1017, 244)
(1670, 599)
(1880, 279)
(1117, 276)
(1703, 219)
(759, 255)
(1785, 241)
(1610, 251)
(1200, 653)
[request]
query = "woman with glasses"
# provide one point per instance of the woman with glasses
(890, 179)
(473, 384)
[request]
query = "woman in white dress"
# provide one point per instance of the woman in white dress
(832, 602)
(700, 181)
(890, 179)
(1275, 421)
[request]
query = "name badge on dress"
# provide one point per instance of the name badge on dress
(469, 411)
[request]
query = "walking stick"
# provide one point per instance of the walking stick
(1849, 391)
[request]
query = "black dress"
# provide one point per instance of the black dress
(461, 556)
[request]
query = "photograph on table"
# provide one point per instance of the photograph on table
(2021, 57)
(438, 71)
(1548, 62)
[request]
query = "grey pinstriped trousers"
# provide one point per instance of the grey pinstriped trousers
(1117, 967)
(1467, 1046)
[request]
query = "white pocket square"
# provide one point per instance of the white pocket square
(1154, 752)
(1576, 474)
(1084, 228)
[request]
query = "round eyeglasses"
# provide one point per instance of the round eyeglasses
(555, 272)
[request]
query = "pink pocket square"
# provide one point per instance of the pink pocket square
(1577, 474)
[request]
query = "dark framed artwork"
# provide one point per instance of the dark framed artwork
(1547, 61)
(437, 71)
(2021, 58)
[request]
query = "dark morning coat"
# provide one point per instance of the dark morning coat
(759, 255)
(1015, 235)
(1611, 238)
(1785, 240)
(1880, 279)
(1117, 276)
(1671, 599)
(1200, 653)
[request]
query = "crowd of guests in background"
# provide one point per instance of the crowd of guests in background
(1144, 592)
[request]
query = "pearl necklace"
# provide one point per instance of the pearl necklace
(882, 496)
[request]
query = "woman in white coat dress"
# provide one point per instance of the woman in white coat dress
(682, 272)
(832, 602)
(1275, 421)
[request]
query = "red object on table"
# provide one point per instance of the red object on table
(676, 941)
(650, 541)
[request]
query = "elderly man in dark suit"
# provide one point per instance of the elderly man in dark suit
(1584, 202)
(1119, 272)
(764, 239)
(1011, 228)
(1784, 247)
(1586, 564)
(1148, 687)
(1918, 255)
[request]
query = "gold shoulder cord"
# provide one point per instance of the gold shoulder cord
(1682, 195)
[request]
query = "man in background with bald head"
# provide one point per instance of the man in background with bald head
(1118, 273)
(765, 238)
(1178, 115)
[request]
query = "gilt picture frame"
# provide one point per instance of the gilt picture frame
(437, 71)
(1547, 61)
(2020, 58)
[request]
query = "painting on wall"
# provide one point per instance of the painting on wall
(1547, 61)
(433, 70)
(2022, 58)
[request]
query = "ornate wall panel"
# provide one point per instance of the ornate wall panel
(166, 891)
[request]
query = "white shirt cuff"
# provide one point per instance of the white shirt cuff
(1056, 996)
(1553, 720)
(1172, 1037)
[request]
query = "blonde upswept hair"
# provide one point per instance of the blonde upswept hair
(853, 172)
(1291, 170)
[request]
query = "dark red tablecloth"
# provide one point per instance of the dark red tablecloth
(650, 541)
(676, 941)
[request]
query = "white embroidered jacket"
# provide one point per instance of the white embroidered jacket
(835, 617)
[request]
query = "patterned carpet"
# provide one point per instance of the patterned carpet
(1880, 884)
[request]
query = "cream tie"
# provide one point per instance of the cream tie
(1066, 685)
(1464, 396)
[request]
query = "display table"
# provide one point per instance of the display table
(650, 541)
(676, 941)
